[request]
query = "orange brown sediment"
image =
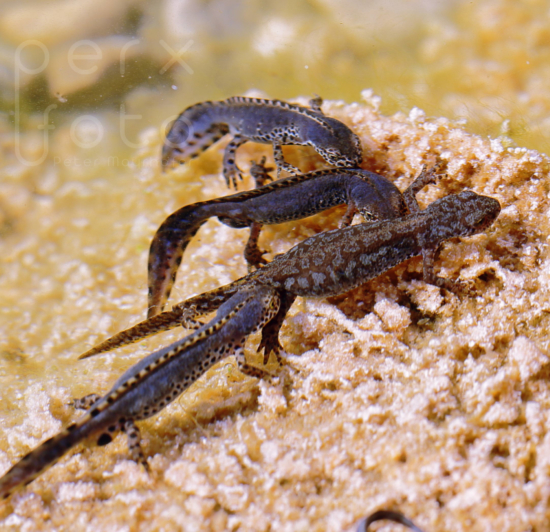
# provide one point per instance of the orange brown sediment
(399, 395)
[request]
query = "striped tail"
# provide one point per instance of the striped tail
(166, 252)
(193, 132)
(159, 323)
(44, 456)
(182, 314)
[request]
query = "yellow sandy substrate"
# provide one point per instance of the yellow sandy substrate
(398, 395)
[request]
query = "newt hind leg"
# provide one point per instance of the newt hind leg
(249, 370)
(134, 445)
(260, 172)
(230, 169)
(129, 427)
(270, 333)
(280, 161)
(252, 253)
(267, 302)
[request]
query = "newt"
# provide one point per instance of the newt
(291, 198)
(334, 262)
(324, 265)
(266, 121)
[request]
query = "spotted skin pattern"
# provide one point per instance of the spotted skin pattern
(292, 198)
(266, 121)
(154, 382)
(334, 262)
(324, 265)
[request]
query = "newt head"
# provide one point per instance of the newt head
(484, 211)
(177, 135)
(341, 147)
(461, 214)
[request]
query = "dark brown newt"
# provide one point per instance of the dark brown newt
(334, 262)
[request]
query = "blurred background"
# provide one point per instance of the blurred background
(110, 69)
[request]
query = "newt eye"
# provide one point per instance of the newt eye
(475, 220)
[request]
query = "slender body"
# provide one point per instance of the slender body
(334, 262)
(324, 265)
(364, 192)
(266, 121)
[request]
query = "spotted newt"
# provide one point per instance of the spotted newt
(266, 121)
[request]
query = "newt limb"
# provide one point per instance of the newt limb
(260, 172)
(86, 402)
(252, 253)
(425, 178)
